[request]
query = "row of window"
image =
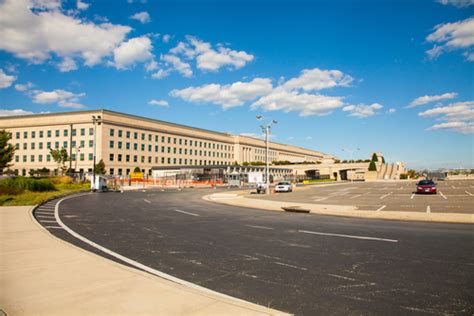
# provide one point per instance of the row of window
(164, 160)
(57, 133)
(64, 144)
(172, 140)
(48, 158)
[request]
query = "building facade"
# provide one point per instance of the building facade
(126, 141)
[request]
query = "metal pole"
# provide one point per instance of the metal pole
(267, 176)
(93, 168)
(70, 148)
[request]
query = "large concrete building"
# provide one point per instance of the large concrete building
(126, 141)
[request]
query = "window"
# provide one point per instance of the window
(162, 149)
(73, 132)
(91, 131)
(135, 135)
(169, 140)
(73, 157)
(111, 144)
(111, 157)
(119, 145)
(135, 146)
(56, 133)
(143, 136)
(65, 133)
(169, 161)
(120, 171)
(83, 132)
(24, 158)
(91, 157)
(119, 157)
(25, 135)
(150, 137)
(185, 142)
(112, 132)
(156, 138)
(162, 139)
(174, 161)
(180, 151)
(65, 144)
(156, 148)
(73, 144)
(180, 161)
(17, 146)
(180, 141)
(143, 147)
(82, 144)
(149, 159)
(127, 158)
(41, 133)
(32, 159)
(111, 171)
(40, 158)
(40, 145)
(81, 157)
(149, 147)
(162, 160)
(143, 159)
(190, 142)
(127, 133)
(169, 150)
(127, 145)
(17, 135)
(33, 134)
(119, 133)
(56, 145)
(135, 158)
(174, 150)
(91, 143)
(17, 158)
(174, 140)
(25, 146)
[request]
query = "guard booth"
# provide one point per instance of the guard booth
(100, 183)
(234, 180)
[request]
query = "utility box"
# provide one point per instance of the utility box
(100, 183)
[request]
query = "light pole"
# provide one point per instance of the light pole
(95, 121)
(267, 130)
(77, 150)
(351, 151)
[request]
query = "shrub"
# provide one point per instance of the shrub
(372, 166)
(31, 184)
(403, 176)
(374, 157)
(61, 180)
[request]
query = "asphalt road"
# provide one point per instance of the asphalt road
(299, 263)
(453, 196)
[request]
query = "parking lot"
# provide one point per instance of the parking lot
(452, 197)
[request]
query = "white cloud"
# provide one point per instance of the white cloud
(176, 63)
(160, 74)
(5, 80)
(67, 64)
(82, 5)
(431, 98)
(166, 38)
(40, 35)
(227, 96)
(317, 79)
(458, 117)
(143, 17)
(451, 36)
(460, 127)
(151, 65)
(135, 50)
(14, 112)
(163, 103)
(362, 110)
(63, 98)
(23, 87)
(391, 111)
(457, 3)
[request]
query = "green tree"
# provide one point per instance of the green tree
(6, 150)
(137, 169)
(374, 158)
(372, 166)
(383, 159)
(60, 156)
(100, 167)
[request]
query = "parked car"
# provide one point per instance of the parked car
(426, 186)
(283, 187)
(261, 187)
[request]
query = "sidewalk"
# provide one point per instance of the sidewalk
(42, 275)
(237, 198)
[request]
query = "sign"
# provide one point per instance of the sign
(255, 177)
(136, 175)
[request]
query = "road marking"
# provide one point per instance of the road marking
(347, 236)
(453, 187)
(45, 221)
(341, 277)
(55, 227)
(260, 227)
(44, 213)
(320, 199)
(384, 196)
(469, 193)
(444, 197)
(381, 208)
(45, 216)
(147, 201)
(412, 196)
(355, 196)
(184, 212)
(290, 266)
(428, 209)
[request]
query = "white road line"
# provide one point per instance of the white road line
(290, 266)
(147, 201)
(355, 196)
(320, 199)
(56, 227)
(341, 277)
(412, 196)
(381, 208)
(44, 213)
(469, 193)
(444, 197)
(347, 236)
(428, 209)
(184, 212)
(260, 227)
(45, 221)
(384, 196)
(45, 216)
(141, 266)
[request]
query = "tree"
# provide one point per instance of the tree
(6, 150)
(374, 158)
(100, 167)
(383, 159)
(372, 166)
(60, 156)
(137, 169)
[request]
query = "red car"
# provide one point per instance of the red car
(426, 186)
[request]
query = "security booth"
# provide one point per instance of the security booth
(233, 179)
(100, 183)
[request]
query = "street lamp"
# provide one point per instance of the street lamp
(351, 151)
(266, 130)
(95, 121)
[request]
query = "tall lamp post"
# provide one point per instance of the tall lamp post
(266, 129)
(351, 151)
(95, 121)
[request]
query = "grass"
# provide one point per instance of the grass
(32, 198)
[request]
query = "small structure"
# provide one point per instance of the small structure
(100, 183)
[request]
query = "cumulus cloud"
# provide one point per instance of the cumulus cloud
(63, 98)
(135, 50)
(23, 87)
(457, 3)
(160, 74)
(391, 111)
(82, 5)
(227, 96)
(431, 98)
(67, 64)
(317, 79)
(362, 110)
(38, 30)
(451, 36)
(5, 80)
(14, 112)
(176, 63)
(142, 17)
(457, 116)
(163, 103)
(166, 38)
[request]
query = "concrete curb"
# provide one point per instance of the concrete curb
(339, 210)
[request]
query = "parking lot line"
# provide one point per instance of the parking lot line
(347, 236)
(444, 197)
(355, 196)
(381, 208)
(188, 213)
(469, 193)
(384, 196)
(428, 209)
(412, 196)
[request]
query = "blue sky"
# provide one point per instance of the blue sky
(390, 76)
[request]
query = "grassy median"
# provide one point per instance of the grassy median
(31, 191)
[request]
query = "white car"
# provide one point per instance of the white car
(283, 187)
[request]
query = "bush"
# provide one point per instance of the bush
(61, 180)
(372, 166)
(21, 183)
(403, 176)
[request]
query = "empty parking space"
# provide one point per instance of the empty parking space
(452, 196)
